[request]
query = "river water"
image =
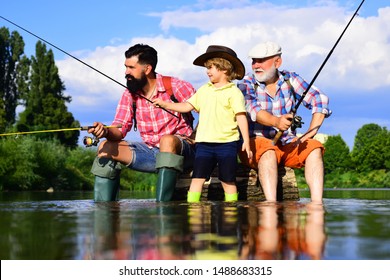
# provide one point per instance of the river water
(351, 225)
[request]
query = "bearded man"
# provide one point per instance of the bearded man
(270, 95)
(166, 146)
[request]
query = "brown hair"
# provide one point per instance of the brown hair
(222, 65)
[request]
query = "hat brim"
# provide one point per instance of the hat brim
(264, 56)
(239, 67)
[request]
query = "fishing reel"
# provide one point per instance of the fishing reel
(89, 141)
(296, 123)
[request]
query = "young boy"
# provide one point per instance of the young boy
(222, 114)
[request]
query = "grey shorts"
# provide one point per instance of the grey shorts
(144, 157)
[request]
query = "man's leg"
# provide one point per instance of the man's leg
(314, 174)
(268, 174)
(266, 161)
(106, 168)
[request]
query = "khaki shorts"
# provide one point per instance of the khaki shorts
(288, 155)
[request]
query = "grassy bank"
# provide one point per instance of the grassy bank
(350, 179)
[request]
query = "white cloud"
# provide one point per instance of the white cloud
(360, 61)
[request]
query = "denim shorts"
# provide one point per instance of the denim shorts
(144, 157)
(208, 155)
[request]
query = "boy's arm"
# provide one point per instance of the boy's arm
(182, 107)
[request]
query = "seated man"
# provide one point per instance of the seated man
(166, 145)
(270, 95)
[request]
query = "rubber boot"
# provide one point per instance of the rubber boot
(166, 183)
(107, 179)
(231, 197)
(169, 166)
(193, 196)
(106, 189)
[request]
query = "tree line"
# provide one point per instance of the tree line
(32, 85)
(367, 165)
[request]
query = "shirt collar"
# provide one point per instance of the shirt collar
(228, 85)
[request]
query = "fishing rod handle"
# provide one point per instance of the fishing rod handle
(277, 137)
(86, 127)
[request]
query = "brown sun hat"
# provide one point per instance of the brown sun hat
(223, 52)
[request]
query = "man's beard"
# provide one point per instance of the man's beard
(266, 75)
(135, 85)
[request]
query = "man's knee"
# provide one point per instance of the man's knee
(104, 148)
(170, 144)
(269, 155)
(317, 152)
(116, 150)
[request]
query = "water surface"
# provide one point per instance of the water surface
(351, 225)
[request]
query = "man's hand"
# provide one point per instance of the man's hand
(284, 122)
(98, 130)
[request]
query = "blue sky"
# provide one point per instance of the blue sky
(356, 77)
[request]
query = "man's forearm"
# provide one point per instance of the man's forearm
(315, 124)
(266, 118)
(114, 134)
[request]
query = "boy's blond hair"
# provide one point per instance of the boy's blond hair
(222, 65)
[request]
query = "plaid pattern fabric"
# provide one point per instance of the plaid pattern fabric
(257, 98)
(154, 122)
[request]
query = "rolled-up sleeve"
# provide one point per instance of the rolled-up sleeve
(124, 113)
(315, 99)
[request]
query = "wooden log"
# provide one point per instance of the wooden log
(248, 186)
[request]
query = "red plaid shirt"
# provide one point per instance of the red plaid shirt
(152, 122)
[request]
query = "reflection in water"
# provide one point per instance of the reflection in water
(35, 231)
(149, 233)
(108, 240)
(213, 230)
(209, 230)
(283, 231)
(165, 237)
(51, 227)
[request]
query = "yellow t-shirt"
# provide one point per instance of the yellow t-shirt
(217, 109)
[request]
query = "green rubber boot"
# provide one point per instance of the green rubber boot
(107, 179)
(169, 166)
(231, 197)
(166, 183)
(106, 189)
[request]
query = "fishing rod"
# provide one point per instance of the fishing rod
(296, 121)
(88, 141)
(79, 60)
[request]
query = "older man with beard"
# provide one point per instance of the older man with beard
(270, 95)
(166, 146)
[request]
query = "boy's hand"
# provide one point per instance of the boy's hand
(246, 147)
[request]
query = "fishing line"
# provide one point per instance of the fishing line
(79, 60)
(294, 109)
(56, 130)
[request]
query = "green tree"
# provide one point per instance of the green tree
(45, 106)
(370, 151)
(336, 157)
(11, 51)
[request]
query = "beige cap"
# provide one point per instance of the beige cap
(264, 50)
